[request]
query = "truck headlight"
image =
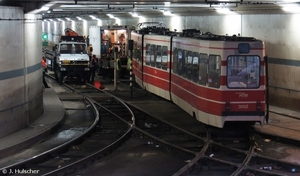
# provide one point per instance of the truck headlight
(66, 62)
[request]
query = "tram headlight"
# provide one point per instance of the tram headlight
(227, 106)
(258, 106)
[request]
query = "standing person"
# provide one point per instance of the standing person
(128, 67)
(118, 67)
(44, 65)
(94, 66)
(128, 63)
(100, 66)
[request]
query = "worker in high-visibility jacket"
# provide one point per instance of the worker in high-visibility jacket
(44, 67)
(128, 63)
(129, 69)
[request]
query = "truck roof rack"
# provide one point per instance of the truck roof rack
(72, 38)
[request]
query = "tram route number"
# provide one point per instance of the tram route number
(243, 107)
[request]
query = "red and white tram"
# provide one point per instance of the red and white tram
(214, 78)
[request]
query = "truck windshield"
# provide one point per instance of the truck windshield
(80, 48)
(73, 49)
(243, 72)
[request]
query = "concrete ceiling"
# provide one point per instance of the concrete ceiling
(120, 8)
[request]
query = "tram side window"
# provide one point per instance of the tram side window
(243, 71)
(152, 55)
(195, 67)
(136, 52)
(148, 54)
(164, 58)
(158, 56)
(175, 61)
(189, 61)
(184, 64)
(202, 69)
(180, 62)
(214, 70)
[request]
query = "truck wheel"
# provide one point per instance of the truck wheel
(86, 77)
(60, 77)
(56, 74)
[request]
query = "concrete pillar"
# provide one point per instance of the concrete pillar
(33, 57)
(20, 69)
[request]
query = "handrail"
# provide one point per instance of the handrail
(284, 88)
(22, 104)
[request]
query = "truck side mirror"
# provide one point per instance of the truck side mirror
(54, 47)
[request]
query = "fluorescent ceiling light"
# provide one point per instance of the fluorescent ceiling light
(110, 15)
(134, 14)
(225, 11)
(167, 13)
(83, 6)
(167, 3)
(94, 18)
(292, 8)
(81, 19)
(44, 8)
(57, 10)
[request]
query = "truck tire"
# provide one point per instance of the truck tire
(86, 77)
(60, 77)
(56, 75)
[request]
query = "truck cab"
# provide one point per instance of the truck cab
(71, 58)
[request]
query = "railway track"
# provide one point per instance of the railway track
(241, 156)
(32, 161)
(123, 126)
(237, 152)
(92, 142)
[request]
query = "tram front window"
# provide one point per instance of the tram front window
(243, 72)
